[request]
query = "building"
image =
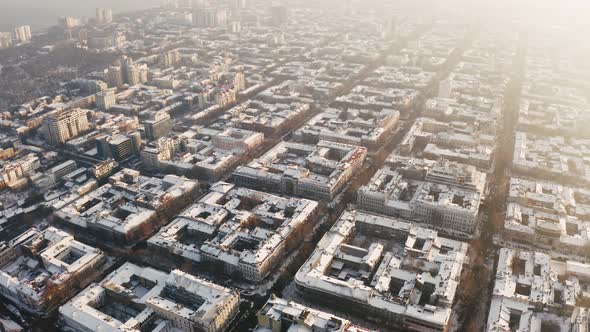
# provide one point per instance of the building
(114, 77)
(104, 169)
(547, 118)
(246, 232)
(270, 119)
(445, 88)
(69, 22)
(14, 173)
(133, 298)
(372, 266)
(23, 34)
(105, 100)
(553, 158)
(117, 146)
(40, 269)
(533, 292)
(365, 128)
(283, 316)
(210, 17)
(442, 194)
(61, 170)
(279, 14)
(129, 208)
(133, 73)
(318, 171)
(5, 40)
(158, 126)
(91, 86)
(163, 149)
(366, 97)
(548, 216)
(401, 78)
(202, 152)
(63, 125)
(240, 82)
(104, 15)
(470, 143)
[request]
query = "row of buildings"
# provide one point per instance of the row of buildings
(22, 34)
(212, 158)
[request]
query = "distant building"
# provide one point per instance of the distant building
(204, 153)
(268, 118)
(105, 168)
(117, 146)
(114, 77)
(240, 82)
(5, 40)
(445, 88)
(317, 171)
(548, 216)
(133, 73)
(159, 126)
(14, 174)
(104, 15)
(90, 86)
(210, 17)
(69, 22)
(444, 195)
(105, 100)
(59, 171)
(279, 14)
(365, 128)
(64, 125)
(23, 34)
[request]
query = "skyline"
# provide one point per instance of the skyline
(47, 13)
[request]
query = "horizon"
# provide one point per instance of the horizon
(47, 13)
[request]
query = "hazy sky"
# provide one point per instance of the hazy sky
(43, 13)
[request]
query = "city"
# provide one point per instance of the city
(297, 166)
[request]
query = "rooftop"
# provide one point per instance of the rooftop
(384, 263)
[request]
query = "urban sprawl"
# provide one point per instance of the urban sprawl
(248, 165)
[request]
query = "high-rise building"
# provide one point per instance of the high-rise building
(69, 22)
(64, 125)
(240, 81)
(279, 14)
(118, 146)
(99, 15)
(5, 39)
(390, 28)
(104, 15)
(159, 126)
(82, 35)
(105, 100)
(133, 73)
(108, 15)
(23, 34)
(169, 59)
(28, 33)
(114, 77)
(445, 88)
(238, 4)
(210, 17)
(199, 3)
